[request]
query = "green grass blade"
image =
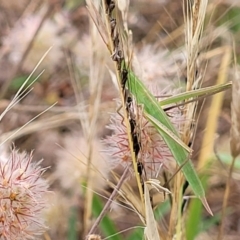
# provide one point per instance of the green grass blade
(136, 235)
(195, 215)
(195, 93)
(226, 158)
(162, 209)
(167, 131)
(152, 108)
(72, 225)
(195, 223)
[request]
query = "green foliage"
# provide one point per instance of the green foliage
(72, 223)
(208, 223)
(72, 4)
(194, 215)
(203, 92)
(19, 81)
(233, 17)
(162, 209)
(155, 114)
(136, 234)
(227, 159)
(162, 123)
(195, 223)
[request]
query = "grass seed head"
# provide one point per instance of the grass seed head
(154, 152)
(22, 199)
(158, 66)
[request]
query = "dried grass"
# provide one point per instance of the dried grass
(235, 148)
(194, 14)
(235, 113)
(89, 114)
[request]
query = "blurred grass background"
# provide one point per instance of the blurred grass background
(28, 28)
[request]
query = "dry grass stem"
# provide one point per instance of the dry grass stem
(21, 93)
(109, 202)
(40, 108)
(234, 145)
(117, 34)
(194, 25)
(40, 125)
(95, 90)
(194, 14)
(151, 230)
(235, 115)
(225, 200)
(216, 105)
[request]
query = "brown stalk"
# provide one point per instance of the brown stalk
(235, 112)
(216, 104)
(194, 13)
(234, 145)
(95, 89)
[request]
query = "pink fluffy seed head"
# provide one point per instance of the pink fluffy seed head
(154, 152)
(22, 190)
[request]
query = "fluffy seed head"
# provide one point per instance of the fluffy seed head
(153, 153)
(47, 37)
(73, 160)
(21, 197)
(159, 67)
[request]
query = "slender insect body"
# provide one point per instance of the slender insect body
(124, 77)
(115, 39)
(110, 6)
(113, 26)
(136, 143)
(117, 55)
(130, 104)
(133, 125)
(140, 168)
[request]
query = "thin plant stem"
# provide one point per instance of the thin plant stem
(95, 89)
(109, 202)
(122, 96)
(225, 199)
